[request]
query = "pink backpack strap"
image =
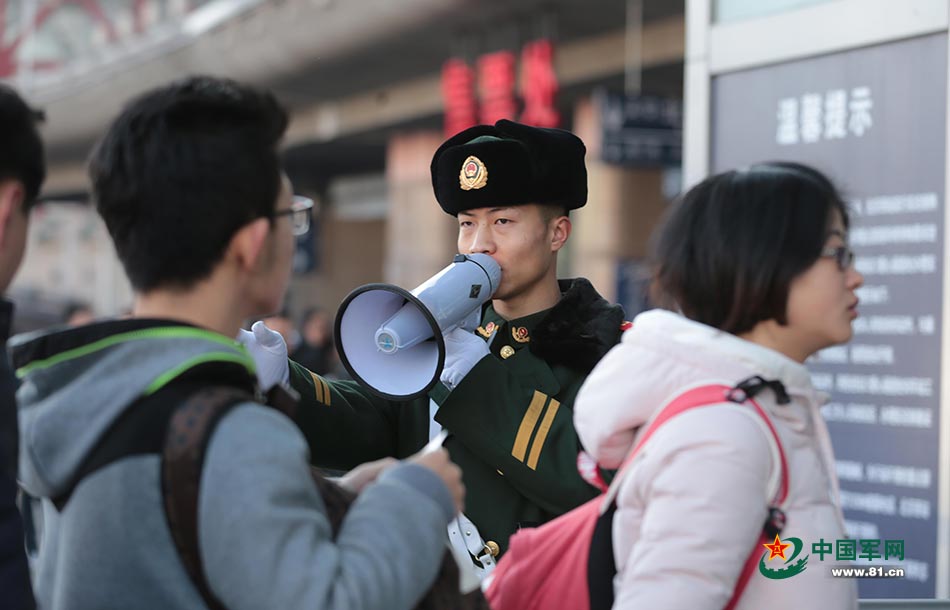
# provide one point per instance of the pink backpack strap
(776, 517)
(702, 396)
(709, 395)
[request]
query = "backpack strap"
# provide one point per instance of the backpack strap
(702, 396)
(189, 432)
(190, 429)
(602, 567)
(775, 521)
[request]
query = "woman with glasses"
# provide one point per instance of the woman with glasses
(756, 267)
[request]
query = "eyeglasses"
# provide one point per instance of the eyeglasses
(842, 255)
(299, 212)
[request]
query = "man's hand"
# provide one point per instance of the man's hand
(463, 350)
(438, 461)
(364, 474)
(269, 352)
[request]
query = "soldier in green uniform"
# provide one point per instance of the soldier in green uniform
(507, 391)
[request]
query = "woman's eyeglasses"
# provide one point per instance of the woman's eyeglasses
(842, 255)
(299, 212)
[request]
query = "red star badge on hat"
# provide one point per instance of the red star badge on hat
(777, 548)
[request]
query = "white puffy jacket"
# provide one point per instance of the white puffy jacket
(694, 504)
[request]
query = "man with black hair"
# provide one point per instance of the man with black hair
(506, 392)
(189, 183)
(22, 170)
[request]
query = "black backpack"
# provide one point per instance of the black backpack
(177, 422)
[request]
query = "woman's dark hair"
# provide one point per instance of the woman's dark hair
(730, 248)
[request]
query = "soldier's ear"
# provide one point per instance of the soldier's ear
(560, 231)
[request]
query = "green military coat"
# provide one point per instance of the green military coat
(510, 420)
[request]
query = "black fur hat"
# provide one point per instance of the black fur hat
(509, 164)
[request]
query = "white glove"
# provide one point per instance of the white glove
(463, 350)
(269, 352)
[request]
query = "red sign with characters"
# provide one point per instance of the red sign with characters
(458, 92)
(496, 96)
(539, 84)
(496, 80)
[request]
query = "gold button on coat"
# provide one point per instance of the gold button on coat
(507, 352)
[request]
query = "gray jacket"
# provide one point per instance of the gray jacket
(263, 533)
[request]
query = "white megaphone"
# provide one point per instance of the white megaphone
(390, 339)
